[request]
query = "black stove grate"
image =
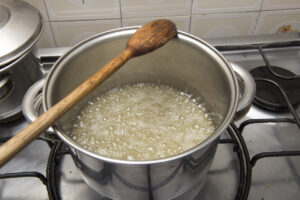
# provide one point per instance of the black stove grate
(274, 85)
(30, 174)
(38, 175)
(269, 66)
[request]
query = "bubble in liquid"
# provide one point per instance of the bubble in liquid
(150, 148)
(130, 157)
(148, 115)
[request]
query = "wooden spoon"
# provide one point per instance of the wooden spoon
(146, 39)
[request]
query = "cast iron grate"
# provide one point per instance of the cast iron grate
(289, 102)
(272, 79)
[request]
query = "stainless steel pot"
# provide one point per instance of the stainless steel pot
(20, 28)
(187, 63)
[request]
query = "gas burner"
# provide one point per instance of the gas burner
(268, 95)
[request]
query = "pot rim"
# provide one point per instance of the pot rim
(215, 136)
(12, 63)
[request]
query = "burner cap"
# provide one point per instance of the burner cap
(268, 95)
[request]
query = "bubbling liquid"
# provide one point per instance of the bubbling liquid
(142, 122)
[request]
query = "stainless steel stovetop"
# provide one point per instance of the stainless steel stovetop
(232, 175)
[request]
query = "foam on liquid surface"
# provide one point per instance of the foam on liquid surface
(142, 122)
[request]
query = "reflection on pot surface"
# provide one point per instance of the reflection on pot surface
(162, 181)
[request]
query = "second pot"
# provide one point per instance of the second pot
(20, 28)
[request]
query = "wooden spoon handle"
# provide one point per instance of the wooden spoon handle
(33, 130)
(149, 37)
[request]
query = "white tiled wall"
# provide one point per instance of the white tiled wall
(67, 22)
(217, 6)
(280, 4)
(70, 10)
(279, 21)
(224, 24)
(46, 39)
(182, 22)
(154, 8)
(70, 33)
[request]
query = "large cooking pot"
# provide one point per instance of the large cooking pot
(20, 28)
(186, 63)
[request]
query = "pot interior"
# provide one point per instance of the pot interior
(185, 62)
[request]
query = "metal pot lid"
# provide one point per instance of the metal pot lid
(20, 27)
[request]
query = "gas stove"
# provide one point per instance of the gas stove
(258, 156)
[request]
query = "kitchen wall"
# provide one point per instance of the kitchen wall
(66, 22)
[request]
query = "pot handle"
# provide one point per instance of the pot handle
(31, 105)
(32, 101)
(5, 86)
(247, 90)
